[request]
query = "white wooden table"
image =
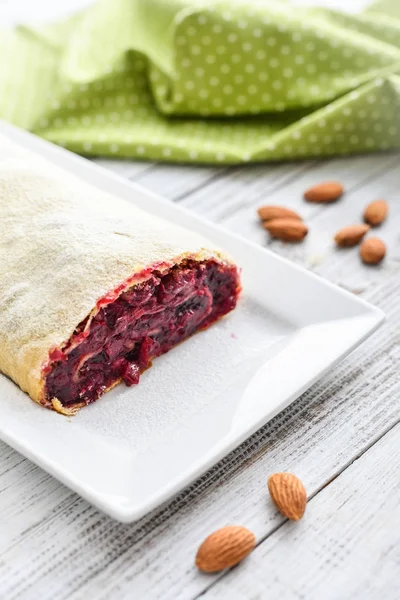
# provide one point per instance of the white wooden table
(342, 437)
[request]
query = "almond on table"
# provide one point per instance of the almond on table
(288, 230)
(327, 191)
(225, 548)
(288, 494)
(267, 213)
(376, 212)
(372, 251)
(350, 235)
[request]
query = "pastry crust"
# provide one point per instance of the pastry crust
(64, 245)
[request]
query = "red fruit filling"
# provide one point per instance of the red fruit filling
(145, 321)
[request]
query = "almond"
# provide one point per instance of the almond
(225, 548)
(328, 191)
(376, 212)
(267, 213)
(288, 494)
(288, 230)
(351, 235)
(372, 251)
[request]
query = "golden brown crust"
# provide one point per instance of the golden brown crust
(68, 411)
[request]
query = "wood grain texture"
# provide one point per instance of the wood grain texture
(245, 188)
(347, 546)
(126, 168)
(176, 182)
(54, 545)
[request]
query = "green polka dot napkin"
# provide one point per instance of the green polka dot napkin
(208, 81)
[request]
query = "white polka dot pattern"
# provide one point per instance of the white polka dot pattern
(247, 82)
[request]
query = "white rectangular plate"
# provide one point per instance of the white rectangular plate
(137, 447)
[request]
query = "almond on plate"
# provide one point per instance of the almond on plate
(376, 212)
(225, 548)
(372, 251)
(288, 230)
(267, 213)
(328, 191)
(288, 494)
(350, 235)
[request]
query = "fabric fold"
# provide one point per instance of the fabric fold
(208, 81)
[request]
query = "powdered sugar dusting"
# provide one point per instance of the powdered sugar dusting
(187, 380)
(68, 244)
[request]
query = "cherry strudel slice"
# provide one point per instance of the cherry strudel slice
(93, 288)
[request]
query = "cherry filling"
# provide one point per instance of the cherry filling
(143, 322)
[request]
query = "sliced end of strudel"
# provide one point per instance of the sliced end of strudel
(131, 326)
(92, 288)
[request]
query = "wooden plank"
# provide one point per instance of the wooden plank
(346, 546)
(206, 188)
(226, 200)
(177, 181)
(173, 182)
(318, 251)
(316, 438)
(237, 188)
(38, 494)
(126, 168)
(353, 173)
